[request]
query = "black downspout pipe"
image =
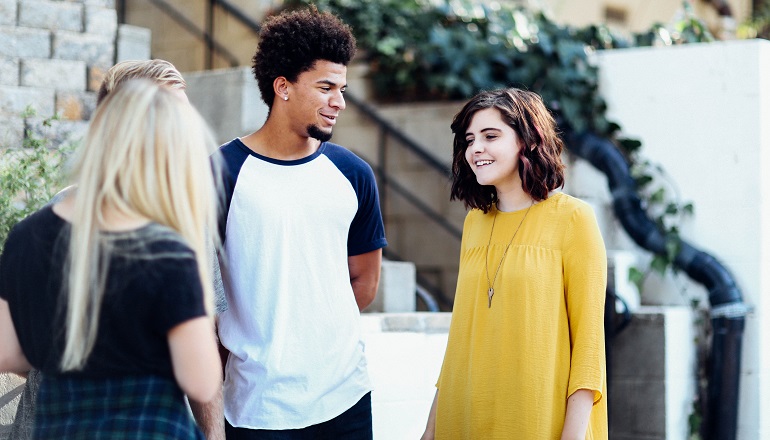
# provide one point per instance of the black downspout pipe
(728, 312)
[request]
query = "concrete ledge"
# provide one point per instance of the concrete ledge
(415, 322)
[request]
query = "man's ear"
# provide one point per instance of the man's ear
(281, 87)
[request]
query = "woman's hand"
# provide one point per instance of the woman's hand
(430, 427)
(579, 406)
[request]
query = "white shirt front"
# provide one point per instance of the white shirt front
(292, 325)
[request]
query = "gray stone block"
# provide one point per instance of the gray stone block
(133, 43)
(54, 74)
(53, 15)
(11, 132)
(101, 21)
(638, 407)
(9, 71)
(640, 350)
(96, 75)
(101, 3)
(95, 50)
(8, 10)
(60, 133)
(75, 105)
(15, 100)
(21, 42)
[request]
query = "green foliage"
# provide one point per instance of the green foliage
(29, 177)
(758, 26)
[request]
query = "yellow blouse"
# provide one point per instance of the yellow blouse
(509, 369)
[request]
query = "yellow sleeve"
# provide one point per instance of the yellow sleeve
(585, 283)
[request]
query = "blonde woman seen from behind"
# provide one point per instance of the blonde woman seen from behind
(160, 72)
(108, 292)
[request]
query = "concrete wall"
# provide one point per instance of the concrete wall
(703, 113)
(173, 42)
(229, 100)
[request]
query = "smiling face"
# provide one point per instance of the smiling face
(316, 99)
(492, 150)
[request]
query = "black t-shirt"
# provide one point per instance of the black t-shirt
(152, 285)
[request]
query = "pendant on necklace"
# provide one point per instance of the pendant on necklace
(491, 293)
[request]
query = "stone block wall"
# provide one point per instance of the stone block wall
(53, 56)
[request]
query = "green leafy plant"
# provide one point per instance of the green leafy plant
(29, 177)
(758, 25)
(664, 204)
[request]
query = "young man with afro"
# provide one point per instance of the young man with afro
(302, 248)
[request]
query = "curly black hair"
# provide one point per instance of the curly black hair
(290, 43)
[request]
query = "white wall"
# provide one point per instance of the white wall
(703, 112)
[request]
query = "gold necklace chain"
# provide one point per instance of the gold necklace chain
(491, 285)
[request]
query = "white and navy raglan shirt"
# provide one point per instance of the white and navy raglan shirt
(292, 325)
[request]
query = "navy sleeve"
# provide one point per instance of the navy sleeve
(367, 232)
(228, 161)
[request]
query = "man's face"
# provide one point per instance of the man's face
(316, 99)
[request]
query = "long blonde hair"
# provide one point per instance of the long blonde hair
(145, 154)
